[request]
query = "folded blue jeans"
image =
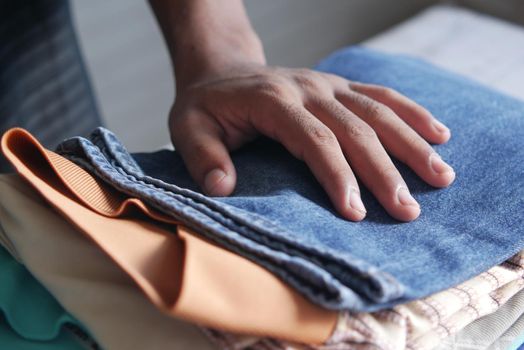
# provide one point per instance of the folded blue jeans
(281, 218)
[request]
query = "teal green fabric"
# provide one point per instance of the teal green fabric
(11, 340)
(31, 318)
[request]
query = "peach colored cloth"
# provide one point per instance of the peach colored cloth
(83, 279)
(182, 274)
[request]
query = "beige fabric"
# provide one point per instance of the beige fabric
(493, 332)
(512, 338)
(182, 274)
(6, 243)
(84, 280)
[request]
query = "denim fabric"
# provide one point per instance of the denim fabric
(281, 218)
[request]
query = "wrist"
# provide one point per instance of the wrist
(207, 38)
(202, 56)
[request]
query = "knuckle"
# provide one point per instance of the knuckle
(201, 150)
(270, 88)
(340, 174)
(306, 79)
(178, 123)
(321, 136)
(376, 111)
(182, 128)
(420, 146)
(389, 172)
(320, 104)
(337, 83)
(186, 121)
(330, 105)
(423, 114)
(292, 111)
(305, 72)
(336, 79)
(387, 93)
(337, 176)
(359, 130)
(274, 88)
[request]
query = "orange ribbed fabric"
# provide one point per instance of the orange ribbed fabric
(182, 274)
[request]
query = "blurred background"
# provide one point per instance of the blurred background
(131, 73)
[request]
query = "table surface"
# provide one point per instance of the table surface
(481, 47)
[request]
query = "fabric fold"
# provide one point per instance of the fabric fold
(279, 216)
(490, 332)
(420, 324)
(181, 273)
(26, 307)
(84, 279)
(397, 285)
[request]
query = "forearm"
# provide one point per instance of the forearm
(206, 36)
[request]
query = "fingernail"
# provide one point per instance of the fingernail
(438, 165)
(440, 127)
(355, 201)
(212, 179)
(405, 198)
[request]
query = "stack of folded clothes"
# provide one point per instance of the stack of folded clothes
(125, 246)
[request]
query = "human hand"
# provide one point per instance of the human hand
(341, 129)
(226, 96)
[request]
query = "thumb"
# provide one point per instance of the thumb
(198, 139)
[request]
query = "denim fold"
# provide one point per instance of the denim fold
(281, 218)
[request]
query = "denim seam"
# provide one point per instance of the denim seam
(356, 265)
(300, 283)
(231, 243)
